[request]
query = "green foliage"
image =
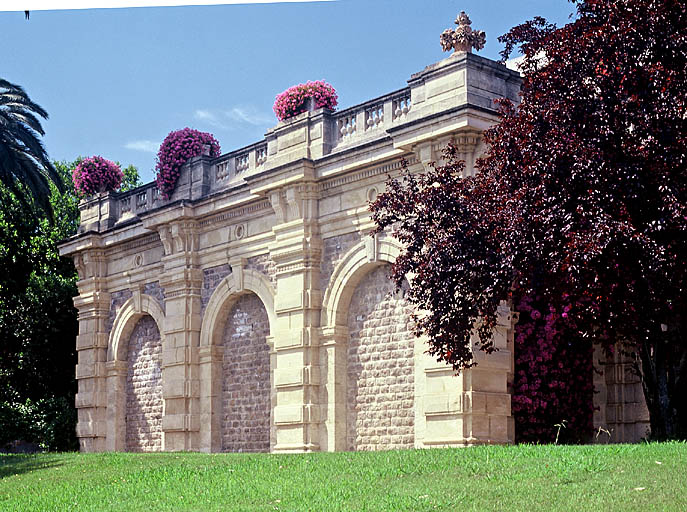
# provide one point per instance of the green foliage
(37, 319)
(48, 422)
(524, 477)
(131, 178)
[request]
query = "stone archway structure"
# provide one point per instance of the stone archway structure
(211, 351)
(117, 365)
(284, 219)
(357, 264)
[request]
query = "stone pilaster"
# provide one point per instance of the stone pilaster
(93, 305)
(472, 408)
(489, 412)
(296, 251)
(333, 364)
(620, 415)
(210, 373)
(181, 281)
(116, 408)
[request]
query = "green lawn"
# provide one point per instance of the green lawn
(571, 478)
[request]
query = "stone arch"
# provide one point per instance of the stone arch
(224, 296)
(236, 287)
(355, 264)
(357, 354)
(128, 316)
(125, 321)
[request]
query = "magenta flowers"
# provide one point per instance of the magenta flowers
(293, 100)
(175, 150)
(96, 174)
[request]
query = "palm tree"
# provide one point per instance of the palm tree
(24, 165)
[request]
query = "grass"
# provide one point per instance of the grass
(600, 478)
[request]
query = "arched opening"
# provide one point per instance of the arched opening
(380, 365)
(246, 389)
(144, 403)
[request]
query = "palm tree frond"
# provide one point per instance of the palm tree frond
(25, 167)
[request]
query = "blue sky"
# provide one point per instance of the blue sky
(116, 81)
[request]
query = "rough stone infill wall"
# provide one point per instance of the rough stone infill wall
(155, 291)
(265, 266)
(144, 388)
(380, 388)
(211, 278)
(246, 378)
(333, 250)
(117, 299)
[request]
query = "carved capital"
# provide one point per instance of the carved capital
(179, 237)
(90, 263)
(467, 143)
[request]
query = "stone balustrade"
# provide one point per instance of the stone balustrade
(352, 126)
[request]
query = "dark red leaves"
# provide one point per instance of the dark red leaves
(581, 199)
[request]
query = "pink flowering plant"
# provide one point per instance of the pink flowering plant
(96, 174)
(294, 100)
(175, 150)
(553, 375)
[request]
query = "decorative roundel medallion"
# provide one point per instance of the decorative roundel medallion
(240, 231)
(138, 260)
(372, 194)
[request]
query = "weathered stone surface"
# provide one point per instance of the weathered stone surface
(621, 414)
(144, 388)
(381, 370)
(117, 299)
(348, 373)
(264, 265)
(333, 249)
(155, 291)
(211, 278)
(246, 378)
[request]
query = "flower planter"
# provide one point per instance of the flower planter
(303, 98)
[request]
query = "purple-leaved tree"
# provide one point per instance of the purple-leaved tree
(580, 202)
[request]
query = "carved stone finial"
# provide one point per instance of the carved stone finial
(462, 38)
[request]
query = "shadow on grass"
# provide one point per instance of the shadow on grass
(11, 465)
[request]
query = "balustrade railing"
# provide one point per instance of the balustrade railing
(401, 105)
(261, 154)
(139, 200)
(239, 162)
(358, 123)
(346, 125)
(372, 116)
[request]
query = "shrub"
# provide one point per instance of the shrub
(96, 174)
(553, 376)
(175, 150)
(49, 423)
(293, 100)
